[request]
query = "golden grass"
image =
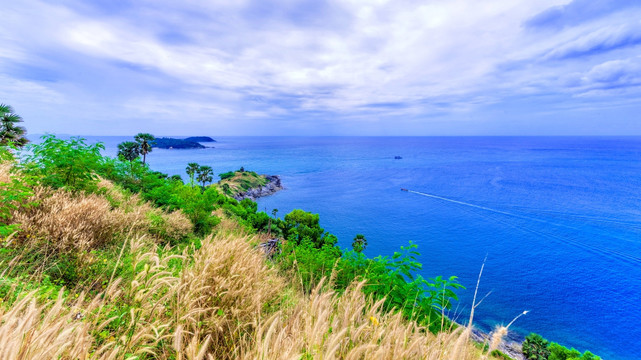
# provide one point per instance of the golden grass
(69, 222)
(214, 308)
(5, 174)
(81, 222)
(349, 326)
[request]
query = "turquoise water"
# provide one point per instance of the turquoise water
(558, 218)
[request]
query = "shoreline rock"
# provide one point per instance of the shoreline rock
(508, 346)
(272, 186)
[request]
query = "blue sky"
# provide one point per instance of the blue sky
(315, 67)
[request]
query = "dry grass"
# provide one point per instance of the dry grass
(5, 168)
(55, 330)
(214, 308)
(81, 222)
(328, 326)
(69, 222)
(142, 216)
(230, 282)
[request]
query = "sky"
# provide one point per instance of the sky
(323, 67)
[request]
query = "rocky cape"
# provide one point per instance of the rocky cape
(272, 186)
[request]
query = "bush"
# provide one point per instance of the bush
(226, 175)
(70, 164)
(69, 223)
(535, 347)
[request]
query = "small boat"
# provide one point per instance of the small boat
(397, 157)
(404, 189)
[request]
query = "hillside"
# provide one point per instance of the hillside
(104, 259)
(243, 184)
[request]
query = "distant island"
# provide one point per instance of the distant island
(172, 143)
(200, 139)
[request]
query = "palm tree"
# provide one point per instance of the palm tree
(129, 151)
(205, 175)
(191, 169)
(359, 243)
(9, 130)
(144, 141)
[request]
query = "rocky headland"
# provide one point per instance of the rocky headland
(272, 186)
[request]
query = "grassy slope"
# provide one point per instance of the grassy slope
(241, 181)
(109, 286)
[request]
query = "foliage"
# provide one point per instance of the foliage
(359, 243)
(10, 132)
(13, 195)
(129, 150)
(299, 225)
(535, 347)
(313, 254)
(71, 164)
(191, 169)
(227, 175)
(145, 142)
(204, 175)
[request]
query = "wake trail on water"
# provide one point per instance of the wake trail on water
(591, 248)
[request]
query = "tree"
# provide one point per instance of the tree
(10, 132)
(129, 151)
(191, 169)
(145, 141)
(58, 163)
(205, 175)
(535, 347)
(360, 243)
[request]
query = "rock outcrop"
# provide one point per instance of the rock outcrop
(273, 185)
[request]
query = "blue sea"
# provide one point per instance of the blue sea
(558, 219)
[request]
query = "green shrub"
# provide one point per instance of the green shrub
(535, 347)
(226, 175)
(70, 164)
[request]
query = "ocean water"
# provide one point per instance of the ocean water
(558, 219)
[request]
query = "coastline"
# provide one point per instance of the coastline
(272, 186)
(508, 346)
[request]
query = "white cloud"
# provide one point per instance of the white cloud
(418, 57)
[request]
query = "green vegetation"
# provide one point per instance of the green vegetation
(69, 164)
(191, 170)
(535, 347)
(204, 175)
(359, 243)
(145, 141)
